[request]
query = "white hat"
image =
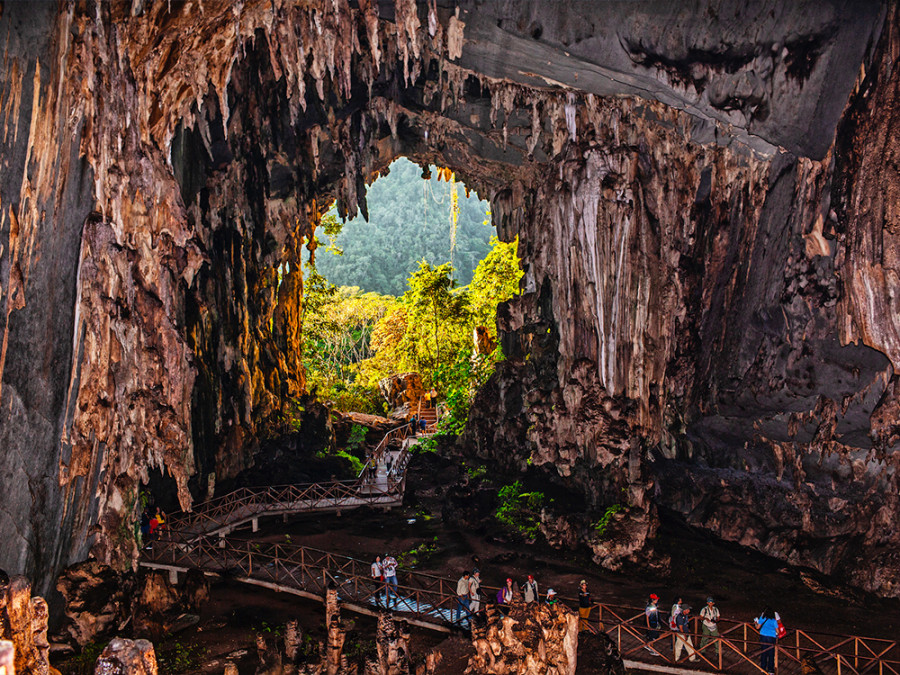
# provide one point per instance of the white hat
(550, 591)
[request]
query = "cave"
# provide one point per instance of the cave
(707, 322)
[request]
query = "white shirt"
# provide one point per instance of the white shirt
(376, 570)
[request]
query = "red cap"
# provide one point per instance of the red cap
(530, 577)
(654, 596)
(509, 581)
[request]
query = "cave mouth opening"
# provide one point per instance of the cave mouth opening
(401, 305)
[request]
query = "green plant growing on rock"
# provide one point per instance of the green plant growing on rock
(357, 437)
(520, 510)
(418, 555)
(181, 657)
(475, 472)
(355, 462)
(83, 663)
(601, 527)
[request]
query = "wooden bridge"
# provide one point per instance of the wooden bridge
(203, 540)
(381, 483)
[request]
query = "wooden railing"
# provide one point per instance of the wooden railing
(400, 433)
(738, 647)
(246, 504)
(432, 601)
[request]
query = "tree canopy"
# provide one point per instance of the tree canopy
(410, 219)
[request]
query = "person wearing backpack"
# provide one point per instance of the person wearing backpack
(767, 625)
(531, 590)
(710, 616)
(682, 633)
(676, 610)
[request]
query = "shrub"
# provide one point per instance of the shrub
(520, 510)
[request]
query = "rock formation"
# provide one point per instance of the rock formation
(100, 602)
(23, 622)
(532, 638)
(126, 657)
(702, 194)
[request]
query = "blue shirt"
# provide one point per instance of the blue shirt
(768, 627)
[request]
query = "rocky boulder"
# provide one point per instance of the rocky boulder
(403, 391)
(126, 657)
(98, 601)
(23, 622)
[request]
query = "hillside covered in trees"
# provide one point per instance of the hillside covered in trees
(409, 221)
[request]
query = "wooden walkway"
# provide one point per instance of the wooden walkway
(430, 602)
(202, 540)
(381, 483)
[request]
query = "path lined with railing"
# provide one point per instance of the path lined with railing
(202, 540)
(430, 601)
(381, 483)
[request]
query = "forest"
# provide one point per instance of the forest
(440, 322)
(410, 219)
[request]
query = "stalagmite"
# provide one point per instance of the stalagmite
(126, 657)
(23, 622)
(532, 638)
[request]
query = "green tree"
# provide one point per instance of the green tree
(409, 219)
(437, 313)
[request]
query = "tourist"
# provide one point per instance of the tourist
(673, 615)
(414, 424)
(475, 592)
(160, 521)
(145, 527)
(584, 606)
(423, 424)
(710, 616)
(377, 576)
(651, 615)
(505, 595)
(682, 634)
(531, 590)
(551, 596)
(767, 625)
(154, 526)
(462, 596)
(389, 569)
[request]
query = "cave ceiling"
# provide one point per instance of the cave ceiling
(702, 193)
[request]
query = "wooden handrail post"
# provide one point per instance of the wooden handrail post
(838, 664)
(745, 638)
(856, 653)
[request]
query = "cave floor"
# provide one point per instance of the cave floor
(740, 580)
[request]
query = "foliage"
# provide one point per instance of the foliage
(520, 510)
(602, 525)
(475, 472)
(417, 213)
(357, 437)
(181, 657)
(354, 339)
(83, 663)
(355, 463)
(418, 555)
(337, 332)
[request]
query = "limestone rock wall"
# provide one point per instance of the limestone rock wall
(707, 253)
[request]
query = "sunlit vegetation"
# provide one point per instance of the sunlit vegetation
(410, 219)
(443, 331)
